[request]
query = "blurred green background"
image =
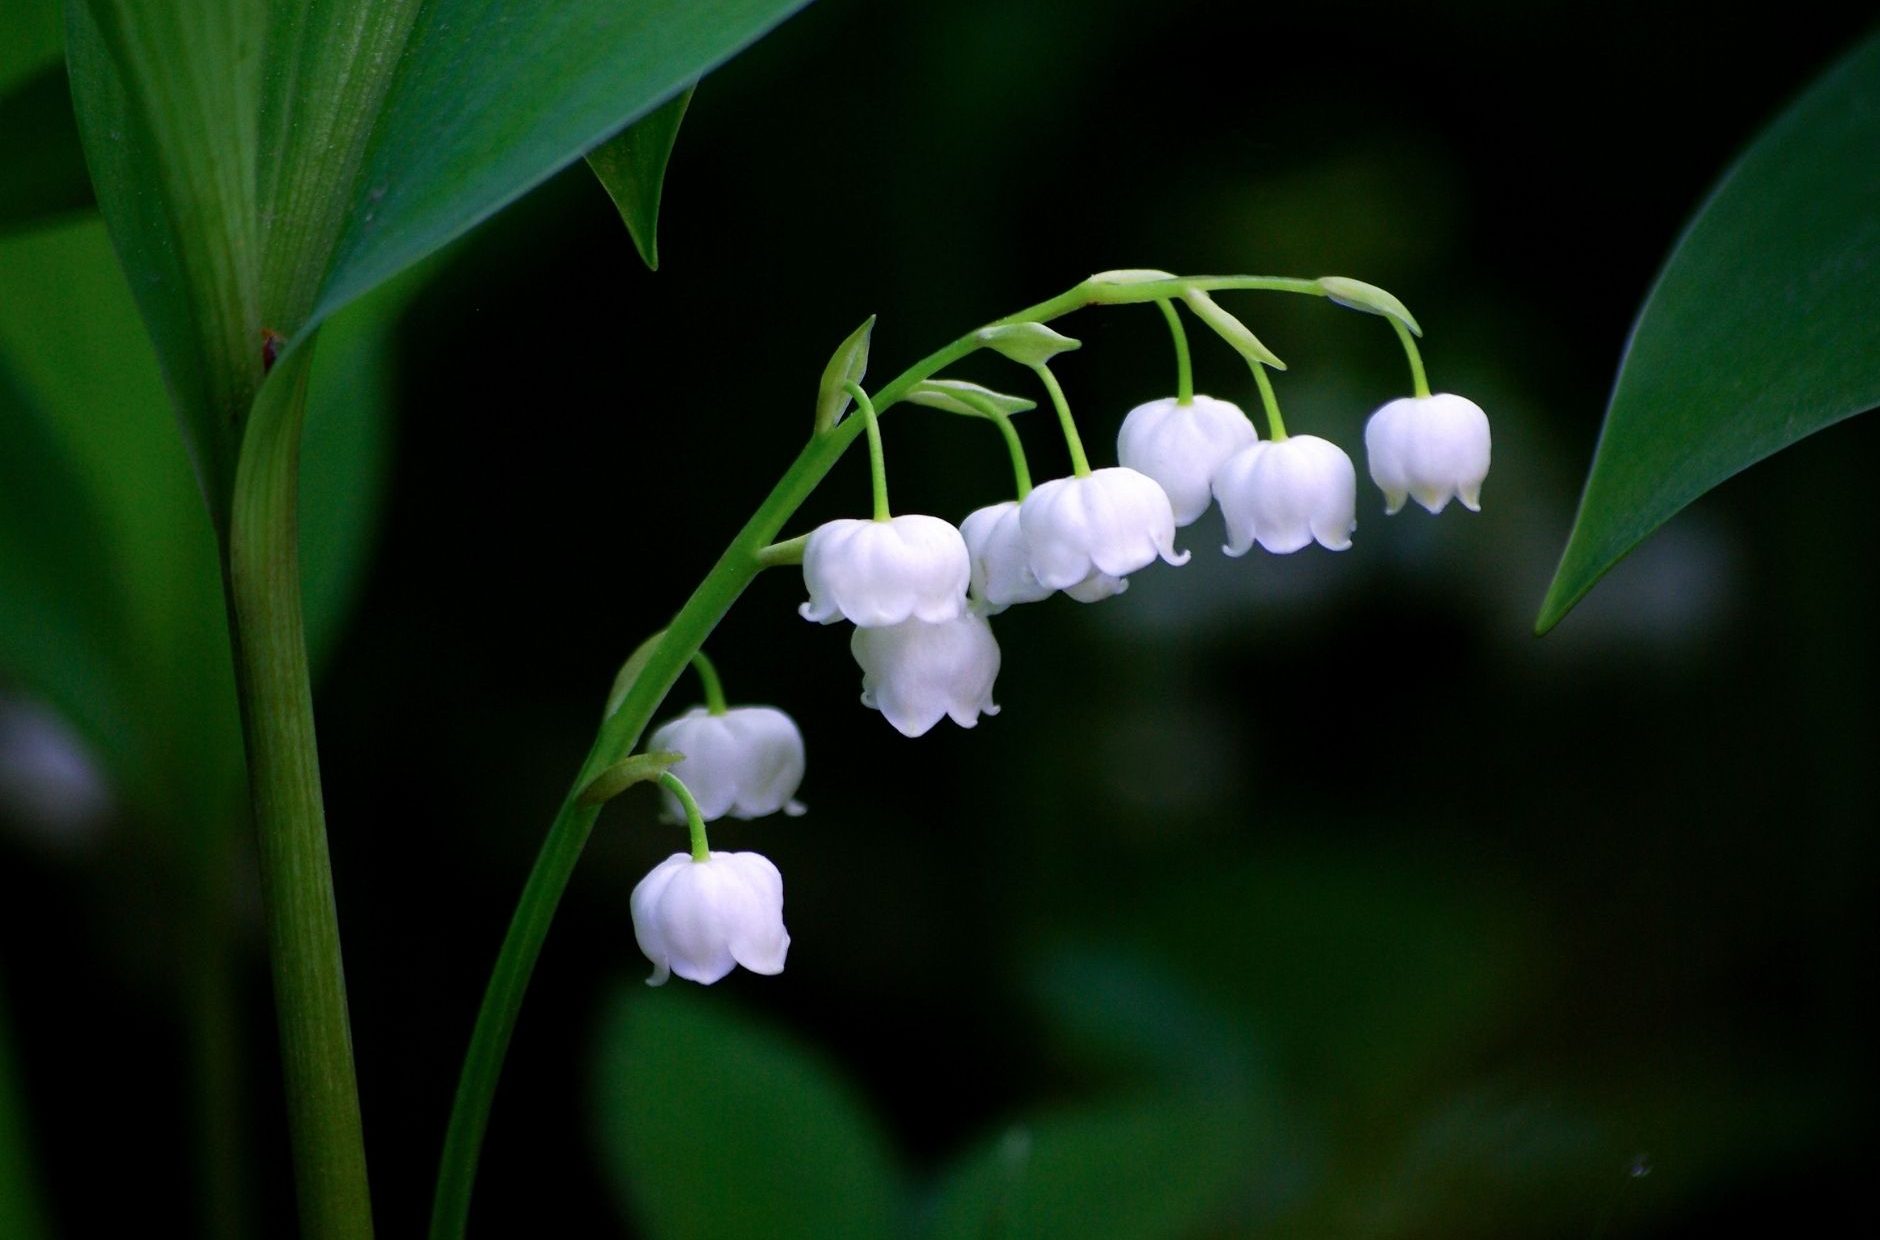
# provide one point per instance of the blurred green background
(1302, 896)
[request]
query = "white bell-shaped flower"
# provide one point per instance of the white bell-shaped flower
(1431, 448)
(876, 573)
(745, 763)
(701, 919)
(1284, 493)
(1107, 523)
(915, 673)
(1180, 446)
(1001, 568)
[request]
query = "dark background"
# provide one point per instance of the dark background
(1561, 937)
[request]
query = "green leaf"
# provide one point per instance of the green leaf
(159, 700)
(330, 65)
(1129, 275)
(959, 396)
(485, 106)
(264, 162)
(1230, 329)
(42, 169)
(639, 768)
(1163, 1165)
(60, 616)
(1028, 344)
(1764, 326)
(713, 1126)
(30, 39)
(631, 167)
(846, 365)
(1369, 298)
(110, 597)
(167, 97)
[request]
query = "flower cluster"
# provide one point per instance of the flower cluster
(919, 591)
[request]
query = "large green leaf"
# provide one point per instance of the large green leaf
(715, 1127)
(489, 102)
(631, 167)
(1763, 328)
(167, 98)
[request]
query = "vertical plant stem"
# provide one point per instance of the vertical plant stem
(263, 580)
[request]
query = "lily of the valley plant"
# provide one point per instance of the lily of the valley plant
(920, 593)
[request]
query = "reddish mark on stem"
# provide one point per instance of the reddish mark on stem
(271, 342)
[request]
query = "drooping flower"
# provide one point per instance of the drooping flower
(1284, 493)
(1001, 568)
(745, 763)
(1107, 523)
(701, 919)
(876, 573)
(1180, 446)
(915, 673)
(1430, 448)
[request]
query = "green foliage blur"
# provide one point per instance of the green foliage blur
(1302, 896)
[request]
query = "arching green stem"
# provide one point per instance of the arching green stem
(1417, 377)
(1080, 464)
(708, 681)
(877, 464)
(751, 550)
(694, 821)
(1184, 368)
(1275, 425)
(1015, 447)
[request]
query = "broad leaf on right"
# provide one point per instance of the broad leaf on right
(1763, 328)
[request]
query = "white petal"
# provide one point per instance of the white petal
(916, 673)
(1433, 449)
(694, 914)
(757, 938)
(745, 763)
(647, 929)
(1285, 494)
(771, 760)
(1112, 521)
(1180, 446)
(883, 572)
(1001, 568)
